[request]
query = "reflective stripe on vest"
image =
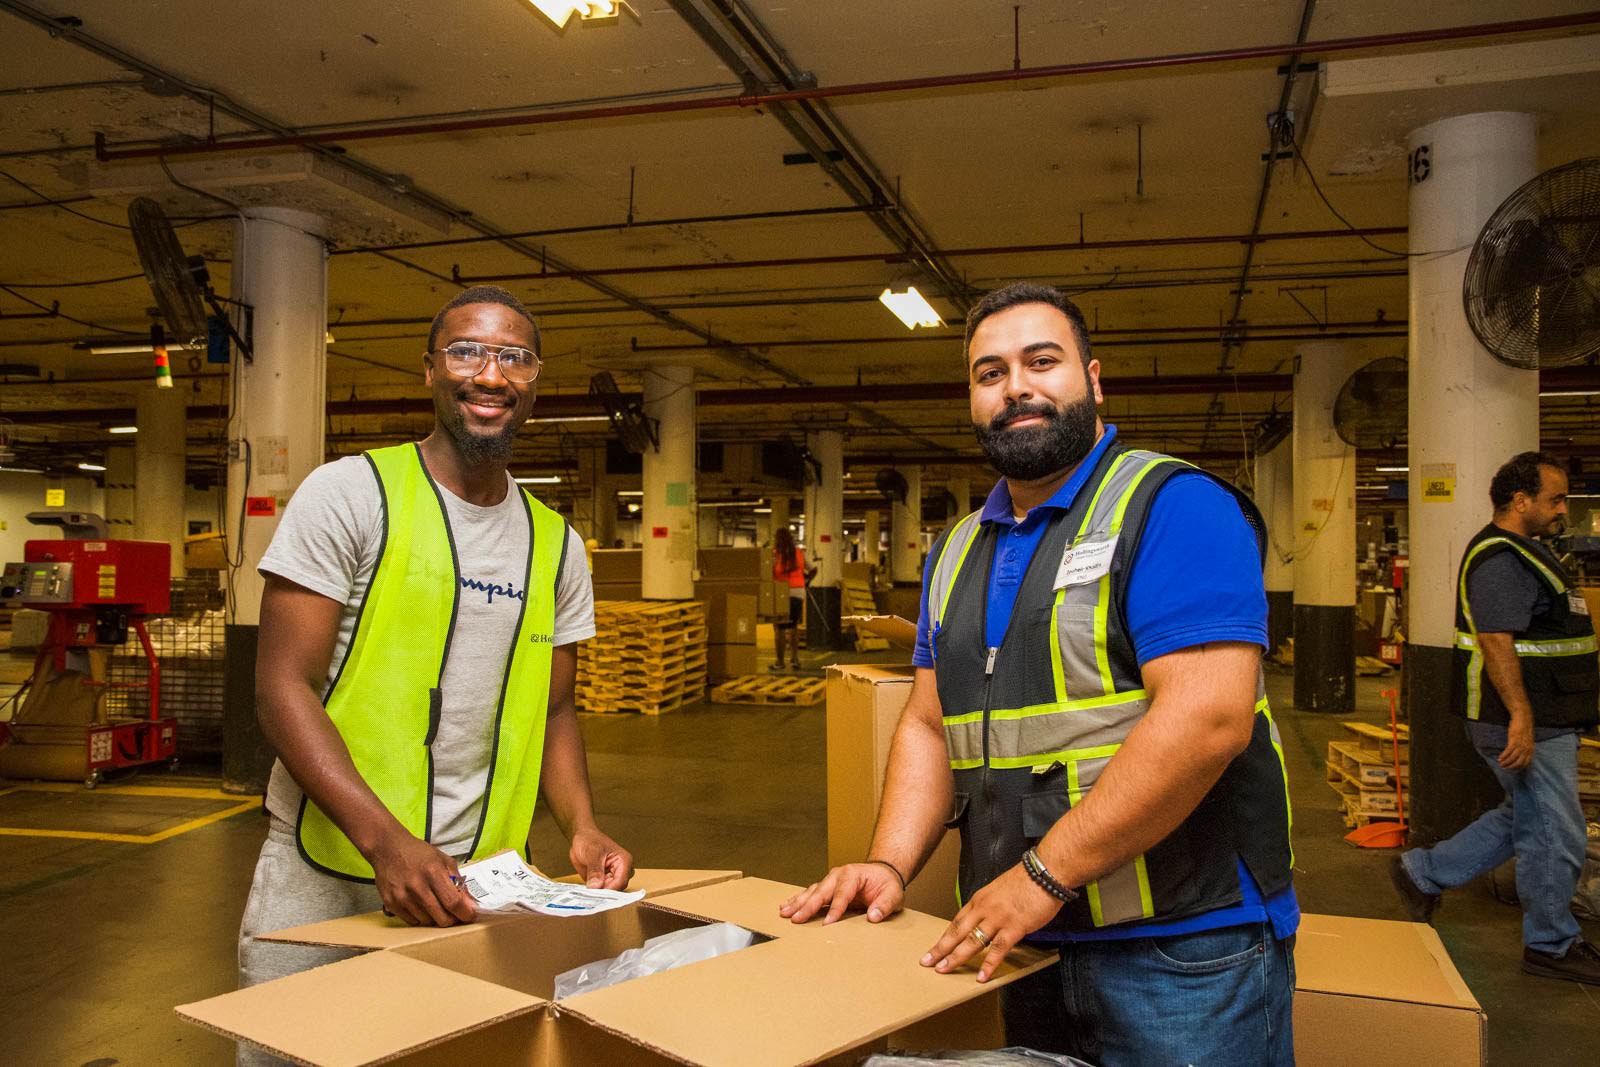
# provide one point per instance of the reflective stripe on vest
(1468, 639)
(385, 699)
(1094, 709)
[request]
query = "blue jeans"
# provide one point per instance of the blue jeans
(1216, 997)
(1540, 822)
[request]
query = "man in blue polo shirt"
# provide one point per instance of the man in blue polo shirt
(1089, 713)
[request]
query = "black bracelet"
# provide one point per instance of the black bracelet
(1044, 879)
(895, 870)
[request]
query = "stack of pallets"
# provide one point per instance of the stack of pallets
(790, 690)
(647, 656)
(858, 600)
(1361, 771)
(1589, 777)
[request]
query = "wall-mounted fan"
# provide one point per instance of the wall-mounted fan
(180, 284)
(1532, 288)
(892, 484)
(1370, 411)
(635, 430)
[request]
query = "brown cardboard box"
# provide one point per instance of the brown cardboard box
(205, 552)
(624, 565)
(731, 619)
(864, 704)
(1372, 989)
(480, 993)
(743, 564)
(730, 661)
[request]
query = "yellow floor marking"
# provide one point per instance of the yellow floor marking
(182, 792)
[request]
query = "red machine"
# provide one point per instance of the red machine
(94, 590)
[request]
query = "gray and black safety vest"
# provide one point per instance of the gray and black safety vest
(1560, 670)
(1031, 724)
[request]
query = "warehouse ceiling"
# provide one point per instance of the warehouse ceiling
(667, 211)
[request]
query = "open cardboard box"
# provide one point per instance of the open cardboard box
(801, 995)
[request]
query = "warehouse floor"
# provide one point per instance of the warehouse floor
(104, 936)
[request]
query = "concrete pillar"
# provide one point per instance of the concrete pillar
(1468, 414)
(668, 517)
(160, 452)
(708, 527)
(826, 524)
(120, 475)
(961, 489)
(1325, 534)
(780, 509)
(905, 530)
(871, 537)
(275, 433)
(1274, 476)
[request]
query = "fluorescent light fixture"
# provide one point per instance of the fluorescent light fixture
(561, 11)
(633, 509)
(1379, 485)
(731, 503)
(1392, 470)
(571, 418)
(138, 349)
(90, 467)
(21, 470)
(910, 307)
(630, 492)
(761, 511)
(1570, 392)
(539, 479)
(122, 429)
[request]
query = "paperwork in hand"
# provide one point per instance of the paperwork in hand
(505, 883)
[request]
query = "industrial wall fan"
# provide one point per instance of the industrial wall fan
(1532, 289)
(180, 284)
(1370, 411)
(892, 484)
(635, 430)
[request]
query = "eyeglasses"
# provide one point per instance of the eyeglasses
(466, 359)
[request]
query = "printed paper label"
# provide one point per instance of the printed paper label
(1086, 561)
(505, 883)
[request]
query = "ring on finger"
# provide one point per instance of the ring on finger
(980, 937)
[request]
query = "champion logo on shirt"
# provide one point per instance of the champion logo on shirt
(490, 590)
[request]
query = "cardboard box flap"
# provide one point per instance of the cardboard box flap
(363, 1010)
(1377, 958)
(799, 999)
(374, 930)
(748, 902)
(897, 630)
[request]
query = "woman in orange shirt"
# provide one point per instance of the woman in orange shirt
(789, 565)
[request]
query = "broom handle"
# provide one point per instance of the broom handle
(1394, 739)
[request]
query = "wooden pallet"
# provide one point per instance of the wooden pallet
(1377, 740)
(858, 600)
(647, 656)
(788, 690)
(1367, 770)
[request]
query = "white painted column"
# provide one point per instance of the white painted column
(1324, 534)
(826, 523)
(275, 431)
(1469, 413)
(961, 489)
(160, 452)
(872, 536)
(120, 474)
(1274, 476)
(905, 530)
(668, 518)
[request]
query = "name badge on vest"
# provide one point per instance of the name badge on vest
(1576, 604)
(1086, 561)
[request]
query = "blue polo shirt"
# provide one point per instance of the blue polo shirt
(1196, 578)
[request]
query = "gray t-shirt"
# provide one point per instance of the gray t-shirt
(328, 542)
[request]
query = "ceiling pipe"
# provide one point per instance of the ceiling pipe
(1368, 43)
(1213, 333)
(1247, 239)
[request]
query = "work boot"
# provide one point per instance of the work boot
(1419, 905)
(1580, 964)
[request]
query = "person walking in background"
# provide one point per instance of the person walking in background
(789, 566)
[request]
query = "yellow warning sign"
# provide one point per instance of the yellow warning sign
(1438, 483)
(55, 498)
(108, 581)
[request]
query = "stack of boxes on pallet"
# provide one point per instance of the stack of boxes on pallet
(1361, 769)
(647, 656)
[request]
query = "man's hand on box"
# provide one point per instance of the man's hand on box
(998, 916)
(869, 885)
(600, 861)
(419, 884)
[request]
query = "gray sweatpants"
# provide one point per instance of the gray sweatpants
(286, 892)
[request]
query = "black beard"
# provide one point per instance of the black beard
(476, 449)
(1064, 437)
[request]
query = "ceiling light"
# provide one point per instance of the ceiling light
(630, 492)
(1392, 470)
(539, 479)
(633, 509)
(21, 470)
(1570, 392)
(137, 349)
(761, 511)
(571, 418)
(327, 337)
(560, 11)
(910, 307)
(122, 429)
(90, 467)
(730, 503)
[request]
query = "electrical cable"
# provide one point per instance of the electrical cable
(63, 315)
(1300, 153)
(60, 206)
(72, 285)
